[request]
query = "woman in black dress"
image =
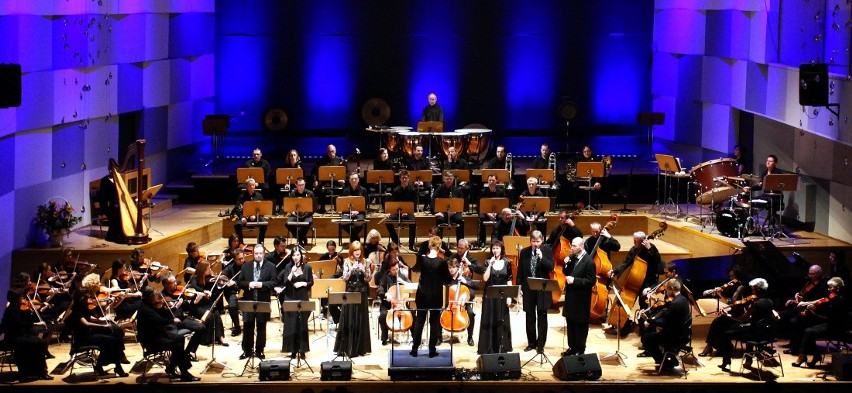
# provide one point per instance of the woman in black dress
(90, 327)
(204, 282)
(353, 335)
(21, 325)
(495, 331)
(295, 282)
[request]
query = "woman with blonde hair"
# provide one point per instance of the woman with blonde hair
(434, 274)
(353, 335)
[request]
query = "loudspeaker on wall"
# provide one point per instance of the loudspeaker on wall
(813, 84)
(578, 367)
(10, 85)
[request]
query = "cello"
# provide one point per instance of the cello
(454, 318)
(630, 282)
(399, 319)
(562, 250)
(600, 291)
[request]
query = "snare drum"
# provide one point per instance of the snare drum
(711, 180)
(455, 139)
(478, 142)
(410, 139)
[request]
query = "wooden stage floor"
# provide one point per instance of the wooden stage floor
(199, 223)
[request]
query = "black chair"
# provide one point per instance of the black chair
(84, 355)
(681, 351)
(7, 354)
(761, 349)
(152, 356)
(839, 339)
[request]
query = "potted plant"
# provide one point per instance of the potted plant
(57, 218)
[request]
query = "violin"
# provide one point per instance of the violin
(742, 303)
(811, 308)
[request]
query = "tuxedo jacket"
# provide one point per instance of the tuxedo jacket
(268, 277)
(533, 300)
(578, 295)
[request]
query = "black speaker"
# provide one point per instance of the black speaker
(813, 84)
(10, 85)
(336, 371)
(497, 366)
(841, 366)
(275, 370)
(578, 367)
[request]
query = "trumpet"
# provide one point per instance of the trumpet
(509, 168)
(551, 164)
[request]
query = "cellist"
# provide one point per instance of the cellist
(456, 271)
(566, 230)
(510, 224)
(386, 291)
(642, 248)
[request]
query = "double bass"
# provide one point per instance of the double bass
(454, 318)
(600, 291)
(562, 250)
(630, 283)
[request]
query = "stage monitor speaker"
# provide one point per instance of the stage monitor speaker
(578, 367)
(275, 370)
(841, 366)
(10, 85)
(813, 84)
(404, 367)
(336, 371)
(496, 366)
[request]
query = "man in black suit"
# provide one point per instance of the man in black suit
(673, 322)
(579, 270)
(434, 274)
(158, 331)
(300, 224)
(250, 194)
(448, 190)
(535, 261)
(257, 280)
(404, 192)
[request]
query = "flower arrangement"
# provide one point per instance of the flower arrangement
(56, 216)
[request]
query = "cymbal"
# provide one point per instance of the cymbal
(735, 178)
(275, 119)
(750, 177)
(375, 111)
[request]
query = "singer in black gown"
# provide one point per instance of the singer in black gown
(295, 282)
(353, 335)
(495, 331)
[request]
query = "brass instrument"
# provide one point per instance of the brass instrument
(607, 160)
(509, 168)
(571, 171)
(551, 164)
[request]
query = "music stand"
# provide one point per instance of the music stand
(501, 292)
(146, 198)
(543, 175)
(299, 205)
(398, 209)
(668, 165)
(534, 206)
(332, 173)
(298, 306)
(513, 246)
(349, 204)
(425, 176)
(380, 177)
(255, 173)
(430, 126)
(619, 303)
(254, 307)
(590, 170)
(321, 289)
(257, 209)
(502, 175)
(344, 298)
(492, 205)
(779, 183)
(448, 206)
(288, 176)
(541, 285)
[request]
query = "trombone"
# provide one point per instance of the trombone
(509, 168)
(551, 164)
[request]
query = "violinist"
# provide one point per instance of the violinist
(642, 248)
(457, 273)
(511, 223)
(387, 292)
(491, 190)
(91, 326)
(353, 338)
(434, 274)
(20, 324)
(579, 269)
(374, 251)
(54, 291)
(125, 283)
(158, 330)
(535, 261)
(672, 324)
(566, 228)
(495, 332)
(294, 283)
(404, 192)
(208, 301)
(256, 279)
(192, 259)
(655, 296)
(233, 245)
(609, 244)
(747, 327)
(448, 190)
(140, 265)
(826, 315)
(732, 290)
(790, 317)
(73, 265)
(279, 254)
(179, 300)
(232, 291)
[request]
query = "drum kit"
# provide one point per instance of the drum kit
(719, 186)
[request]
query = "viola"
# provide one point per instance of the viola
(818, 303)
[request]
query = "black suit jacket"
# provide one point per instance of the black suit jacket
(434, 274)
(268, 276)
(578, 296)
(540, 300)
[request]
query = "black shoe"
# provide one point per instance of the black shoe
(470, 341)
(705, 353)
(529, 348)
(566, 353)
(433, 353)
(791, 352)
(293, 355)
(643, 355)
(223, 343)
(120, 372)
(187, 377)
(244, 355)
(236, 332)
(100, 370)
(45, 377)
(261, 356)
(49, 356)
(413, 352)
(384, 342)
(170, 371)
(124, 359)
(814, 361)
(193, 358)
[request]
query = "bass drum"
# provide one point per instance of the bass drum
(730, 222)
(711, 180)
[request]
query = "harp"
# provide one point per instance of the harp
(130, 184)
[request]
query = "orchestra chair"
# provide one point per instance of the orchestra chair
(84, 355)
(7, 355)
(99, 216)
(682, 351)
(839, 339)
(762, 349)
(153, 357)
